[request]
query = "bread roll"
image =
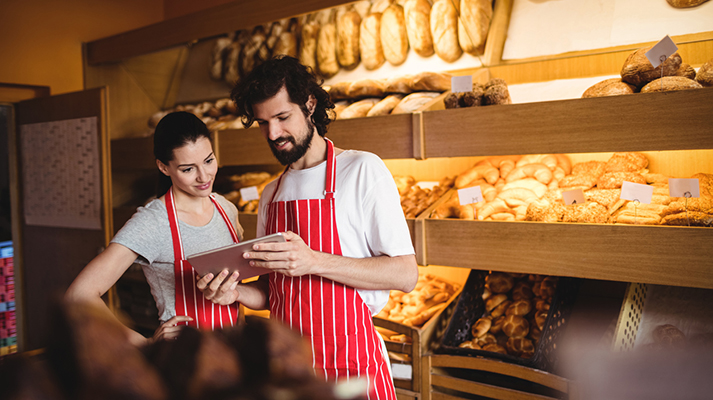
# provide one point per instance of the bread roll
(520, 307)
(590, 212)
(339, 91)
(218, 54)
(685, 3)
(418, 27)
(495, 348)
(473, 25)
(385, 106)
(358, 109)
(609, 87)
(308, 45)
(494, 301)
(431, 82)
(497, 94)
(500, 309)
(444, 30)
(481, 327)
(686, 71)
(366, 88)
(413, 102)
(372, 53)
(486, 339)
(614, 180)
(705, 74)
(362, 7)
(638, 71)
(497, 325)
(625, 162)
(669, 84)
(499, 282)
(399, 84)
(515, 326)
(348, 40)
(520, 347)
(394, 39)
(522, 291)
(327, 64)
(469, 344)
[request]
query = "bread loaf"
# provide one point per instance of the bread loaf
(515, 326)
(586, 213)
(418, 27)
(685, 3)
(348, 40)
(362, 7)
(399, 84)
(358, 109)
(413, 102)
(444, 30)
(251, 53)
(499, 282)
(686, 71)
(705, 74)
(385, 106)
(431, 82)
(670, 83)
(609, 87)
(327, 64)
(218, 54)
(308, 45)
(286, 45)
(394, 39)
(372, 53)
(365, 88)
(231, 63)
(339, 91)
(473, 25)
(496, 92)
(379, 6)
(638, 71)
(481, 327)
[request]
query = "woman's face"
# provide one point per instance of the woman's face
(193, 168)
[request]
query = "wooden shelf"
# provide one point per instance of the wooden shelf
(132, 154)
(676, 256)
(641, 122)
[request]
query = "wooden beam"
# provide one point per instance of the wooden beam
(13, 93)
(232, 16)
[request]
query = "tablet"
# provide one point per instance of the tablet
(231, 257)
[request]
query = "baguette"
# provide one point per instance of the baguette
(413, 102)
(372, 53)
(394, 39)
(385, 106)
(327, 64)
(348, 40)
(418, 27)
(308, 45)
(358, 109)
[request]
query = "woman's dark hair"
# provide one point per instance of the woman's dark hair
(269, 77)
(173, 131)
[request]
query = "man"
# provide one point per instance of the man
(347, 239)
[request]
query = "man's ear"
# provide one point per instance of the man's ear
(311, 104)
(162, 167)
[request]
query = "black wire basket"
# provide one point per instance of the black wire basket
(471, 307)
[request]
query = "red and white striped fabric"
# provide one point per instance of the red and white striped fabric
(332, 316)
(190, 300)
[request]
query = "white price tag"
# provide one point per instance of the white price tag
(683, 187)
(462, 83)
(661, 51)
(249, 193)
(636, 192)
(573, 197)
(470, 195)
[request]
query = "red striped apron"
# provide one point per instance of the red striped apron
(331, 315)
(190, 300)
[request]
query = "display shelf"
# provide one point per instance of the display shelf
(676, 256)
(679, 120)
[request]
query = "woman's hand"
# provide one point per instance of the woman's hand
(219, 290)
(170, 329)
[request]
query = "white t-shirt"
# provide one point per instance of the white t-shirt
(370, 220)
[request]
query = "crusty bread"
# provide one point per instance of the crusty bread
(609, 87)
(418, 26)
(385, 106)
(308, 45)
(614, 180)
(413, 102)
(685, 3)
(705, 74)
(327, 64)
(372, 53)
(339, 91)
(358, 109)
(431, 82)
(638, 71)
(626, 162)
(399, 84)
(366, 88)
(394, 38)
(669, 84)
(348, 40)
(473, 25)
(686, 71)
(444, 29)
(515, 326)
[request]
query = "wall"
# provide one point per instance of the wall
(176, 8)
(41, 40)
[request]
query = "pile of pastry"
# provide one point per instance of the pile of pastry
(217, 115)
(639, 76)
(516, 309)
(398, 95)
(601, 184)
(508, 185)
(370, 33)
(415, 308)
(231, 189)
(494, 92)
(414, 199)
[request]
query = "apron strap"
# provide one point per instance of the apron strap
(330, 180)
(173, 223)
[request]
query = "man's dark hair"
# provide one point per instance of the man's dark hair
(269, 77)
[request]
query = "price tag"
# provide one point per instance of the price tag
(470, 195)
(573, 197)
(683, 187)
(661, 51)
(249, 193)
(636, 192)
(462, 83)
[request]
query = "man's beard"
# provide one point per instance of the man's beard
(287, 157)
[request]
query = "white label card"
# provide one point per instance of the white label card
(683, 187)
(470, 195)
(573, 197)
(462, 83)
(249, 193)
(661, 51)
(636, 192)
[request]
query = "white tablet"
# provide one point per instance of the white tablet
(231, 258)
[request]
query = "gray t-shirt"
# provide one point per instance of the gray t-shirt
(148, 234)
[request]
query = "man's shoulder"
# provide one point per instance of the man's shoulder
(360, 157)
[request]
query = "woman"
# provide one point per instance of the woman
(185, 219)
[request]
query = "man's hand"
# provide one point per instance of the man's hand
(219, 290)
(292, 258)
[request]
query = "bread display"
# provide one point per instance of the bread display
(231, 188)
(638, 71)
(444, 30)
(415, 308)
(704, 76)
(494, 92)
(473, 25)
(348, 39)
(216, 115)
(394, 39)
(414, 199)
(370, 48)
(418, 27)
(516, 307)
(670, 83)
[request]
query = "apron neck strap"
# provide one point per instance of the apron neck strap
(173, 223)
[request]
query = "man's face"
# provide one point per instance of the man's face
(287, 130)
